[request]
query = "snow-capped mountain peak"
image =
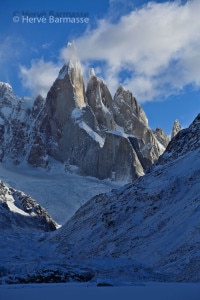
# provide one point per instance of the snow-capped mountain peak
(73, 64)
(176, 128)
(48, 129)
(91, 73)
(5, 86)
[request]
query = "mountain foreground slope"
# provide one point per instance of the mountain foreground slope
(145, 231)
(153, 222)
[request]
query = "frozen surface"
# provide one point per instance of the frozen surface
(147, 291)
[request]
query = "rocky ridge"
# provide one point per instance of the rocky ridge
(17, 123)
(18, 210)
(84, 129)
(176, 128)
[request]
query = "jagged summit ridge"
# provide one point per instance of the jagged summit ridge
(123, 95)
(98, 142)
(5, 86)
(91, 73)
(16, 123)
(176, 128)
(7, 97)
(72, 71)
(110, 135)
(73, 54)
(100, 100)
(162, 136)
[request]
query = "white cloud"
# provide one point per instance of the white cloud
(158, 45)
(39, 77)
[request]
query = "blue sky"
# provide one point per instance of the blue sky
(152, 48)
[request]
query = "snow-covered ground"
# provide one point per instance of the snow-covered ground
(147, 291)
(59, 192)
(144, 231)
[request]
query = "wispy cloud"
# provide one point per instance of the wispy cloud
(157, 44)
(39, 76)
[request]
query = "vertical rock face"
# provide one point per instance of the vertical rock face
(119, 158)
(162, 137)
(73, 73)
(131, 117)
(87, 131)
(127, 105)
(67, 92)
(37, 106)
(176, 128)
(100, 100)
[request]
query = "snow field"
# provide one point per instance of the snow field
(59, 192)
(147, 291)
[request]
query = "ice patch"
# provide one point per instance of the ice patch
(76, 113)
(95, 136)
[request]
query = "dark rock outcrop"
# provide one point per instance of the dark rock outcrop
(18, 210)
